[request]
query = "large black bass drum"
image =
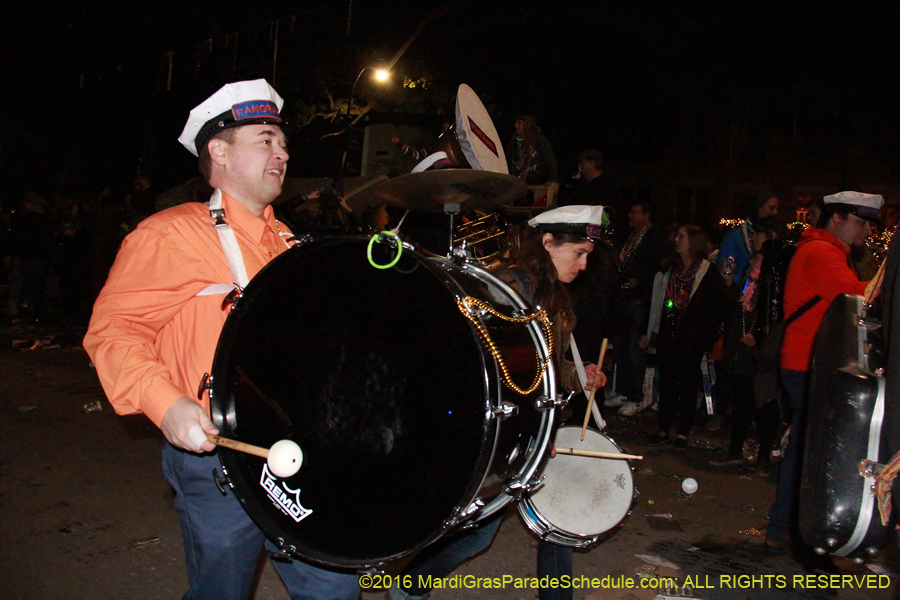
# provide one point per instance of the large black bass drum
(838, 510)
(421, 392)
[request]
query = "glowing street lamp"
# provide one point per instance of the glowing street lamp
(381, 75)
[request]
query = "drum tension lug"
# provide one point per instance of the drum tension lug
(205, 384)
(516, 489)
(285, 552)
(232, 298)
(221, 482)
(545, 403)
(372, 571)
(505, 410)
(476, 505)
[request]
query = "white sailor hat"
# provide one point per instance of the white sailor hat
(864, 206)
(587, 221)
(235, 104)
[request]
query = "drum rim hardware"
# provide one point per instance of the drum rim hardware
(545, 403)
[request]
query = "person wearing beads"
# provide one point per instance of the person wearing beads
(553, 252)
(737, 244)
(639, 259)
(156, 323)
(746, 329)
(686, 310)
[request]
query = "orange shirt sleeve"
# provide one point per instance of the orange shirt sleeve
(154, 276)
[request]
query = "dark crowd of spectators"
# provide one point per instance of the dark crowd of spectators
(58, 249)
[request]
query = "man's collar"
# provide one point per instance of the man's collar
(241, 217)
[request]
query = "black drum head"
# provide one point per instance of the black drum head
(378, 378)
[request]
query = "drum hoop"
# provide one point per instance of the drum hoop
(531, 512)
(224, 415)
(538, 453)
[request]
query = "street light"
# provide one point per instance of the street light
(380, 75)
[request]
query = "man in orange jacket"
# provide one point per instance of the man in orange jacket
(820, 268)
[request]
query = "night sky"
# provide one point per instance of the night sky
(783, 94)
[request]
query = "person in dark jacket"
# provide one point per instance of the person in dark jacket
(686, 310)
(639, 260)
(746, 329)
(529, 154)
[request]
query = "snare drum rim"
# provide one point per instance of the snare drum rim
(538, 522)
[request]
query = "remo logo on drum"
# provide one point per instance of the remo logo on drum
(286, 499)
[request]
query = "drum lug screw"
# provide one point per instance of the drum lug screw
(205, 384)
(505, 410)
(372, 571)
(221, 482)
(545, 403)
(232, 298)
(517, 488)
(476, 505)
(285, 552)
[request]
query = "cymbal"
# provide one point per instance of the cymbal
(430, 191)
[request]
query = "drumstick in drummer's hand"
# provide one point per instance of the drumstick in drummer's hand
(587, 415)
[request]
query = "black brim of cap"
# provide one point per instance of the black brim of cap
(226, 121)
(580, 229)
(863, 212)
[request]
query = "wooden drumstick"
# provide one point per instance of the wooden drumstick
(236, 445)
(587, 415)
(596, 453)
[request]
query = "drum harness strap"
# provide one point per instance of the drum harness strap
(233, 254)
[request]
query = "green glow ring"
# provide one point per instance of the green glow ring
(377, 238)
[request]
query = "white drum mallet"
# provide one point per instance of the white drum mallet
(284, 457)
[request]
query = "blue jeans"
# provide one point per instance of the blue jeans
(222, 545)
(554, 561)
(439, 559)
(783, 514)
(631, 361)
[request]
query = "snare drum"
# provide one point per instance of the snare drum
(397, 397)
(581, 498)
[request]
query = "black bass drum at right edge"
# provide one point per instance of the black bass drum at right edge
(838, 509)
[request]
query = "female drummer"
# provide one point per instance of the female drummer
(553, 252)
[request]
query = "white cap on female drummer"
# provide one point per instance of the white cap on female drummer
(586, 221)
(234, 104)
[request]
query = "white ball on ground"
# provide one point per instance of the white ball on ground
(285, 458)
(689, 485)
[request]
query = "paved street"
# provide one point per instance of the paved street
(87, 514)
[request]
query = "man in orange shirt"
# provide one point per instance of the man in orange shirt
(157, 321)
(820, 269)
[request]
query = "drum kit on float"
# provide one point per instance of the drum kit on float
(418, 394)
